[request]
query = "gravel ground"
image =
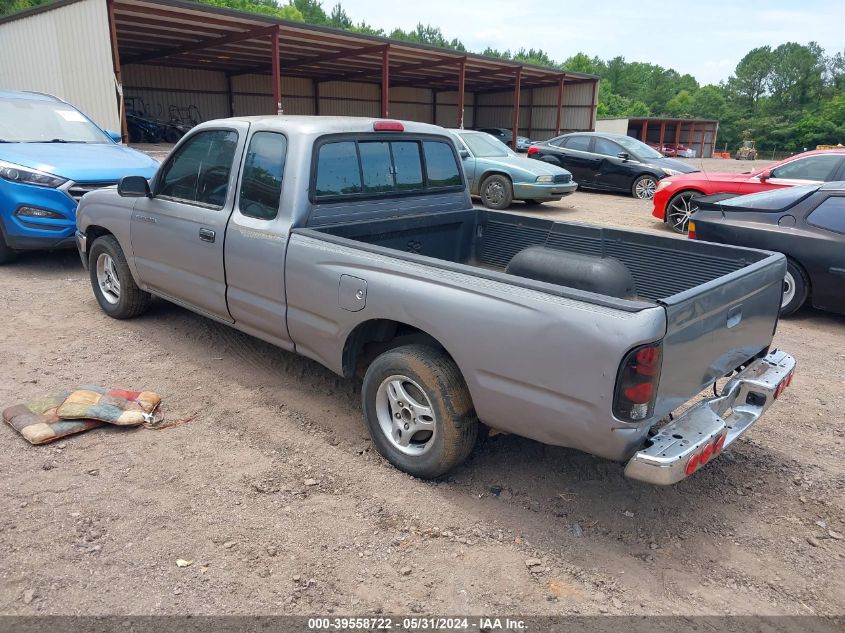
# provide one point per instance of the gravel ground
(271, 487)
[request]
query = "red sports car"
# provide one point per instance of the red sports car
(674, 199)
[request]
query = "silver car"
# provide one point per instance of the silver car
(499, 176)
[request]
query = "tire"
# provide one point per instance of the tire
(446, 433)
(496, 192)
(6, 254)
(644, 187)
(112, 282)
(172, 135)
(795, 288)
(678, 210)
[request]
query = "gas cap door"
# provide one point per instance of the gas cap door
(352, 293)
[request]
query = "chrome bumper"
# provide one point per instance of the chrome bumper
(744, 399)
(82, 247)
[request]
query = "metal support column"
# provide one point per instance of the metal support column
(385, 82)
(118, 81)
(559, 113)
(517, 85)
(461, 82)
(315, 89)
(277, 77)
(662, 135)
(644, 133)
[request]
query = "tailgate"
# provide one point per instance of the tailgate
(713, 328)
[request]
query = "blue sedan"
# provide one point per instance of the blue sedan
(50, 156)
(499, 176)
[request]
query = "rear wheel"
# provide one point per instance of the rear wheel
(112, 282)
(679, 209)
(644, 187)
(795, 289)
(496, 192)
(418, 410)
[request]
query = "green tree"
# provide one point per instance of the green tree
(339, 19)
(311, 10)
(681, 105)
(750, 80)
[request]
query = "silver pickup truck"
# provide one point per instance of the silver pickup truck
(354, 242)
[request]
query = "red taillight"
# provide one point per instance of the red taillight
(388, 126)
(779, 389)
(692, 464)
(706, 453)
(533, 150)
(789, 378)
(636, 384)
(719, 444)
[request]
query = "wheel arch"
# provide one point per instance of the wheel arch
(672, 197)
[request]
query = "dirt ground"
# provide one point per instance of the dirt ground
(271, 487)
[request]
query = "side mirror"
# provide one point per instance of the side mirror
(765, 175)
(115, 136)
(133, 187)
(623, 155)
(464, 154)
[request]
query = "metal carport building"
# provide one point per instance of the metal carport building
(232, 63)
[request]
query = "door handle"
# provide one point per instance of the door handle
(207, 235)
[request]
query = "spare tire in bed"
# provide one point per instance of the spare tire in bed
(602, 275)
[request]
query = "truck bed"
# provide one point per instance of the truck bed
(662, 267)
(720, 302)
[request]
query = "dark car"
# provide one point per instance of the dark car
(506, 136)
(611, 162)
(806, 223)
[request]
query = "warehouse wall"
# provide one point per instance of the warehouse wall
(65, 52)
(537, 114)
(613, 126)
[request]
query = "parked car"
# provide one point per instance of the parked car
(671, 150)
(806, 223)
(498, 175)
(354, 242)
(610, 162)
(674, 200)
(50, 156)
(506, 136)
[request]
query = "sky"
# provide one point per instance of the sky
(705, 38)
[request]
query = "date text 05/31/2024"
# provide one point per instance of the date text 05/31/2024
(432, 623)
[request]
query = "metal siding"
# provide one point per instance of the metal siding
(70, 47)
(612, 126)
(162, 86)
(346, 98)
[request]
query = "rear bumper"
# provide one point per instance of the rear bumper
(743, 401)
(543, 191)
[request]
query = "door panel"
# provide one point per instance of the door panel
(822, 252)
(178, 235)
(612, 172)
(256, 242)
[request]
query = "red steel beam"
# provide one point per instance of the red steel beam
(461, 85)
(662, 135)
(211, 42)
(517, 84)
(593, 106)
(385, 82)
(277, 79)
(644, 132)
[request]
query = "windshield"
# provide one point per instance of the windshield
(32, 121)
(485, 146)
(773, 200)
(637, 147)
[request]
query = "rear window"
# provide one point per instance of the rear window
(772, 200)
(375, 168)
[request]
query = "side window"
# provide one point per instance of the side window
(337, 170)
(829, 215)
(819, 167)
(558, 142)
(261, 183)
(441, 166)
(578, 143)
(605, 147)
(199, 172)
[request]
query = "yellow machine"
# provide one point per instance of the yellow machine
(837, 146)
(747, 151)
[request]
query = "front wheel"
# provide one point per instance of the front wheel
(644, 187)
(679, 210)
(496, 192)
(114, 288)
(795, 289)
(418, 410)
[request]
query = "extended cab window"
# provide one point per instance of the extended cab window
(199, 171)
(384, 167)
(261, 183)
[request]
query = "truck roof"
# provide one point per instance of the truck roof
(304, 124)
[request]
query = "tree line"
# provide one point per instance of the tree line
(787, 97)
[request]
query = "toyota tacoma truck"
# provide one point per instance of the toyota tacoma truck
(354, 242)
